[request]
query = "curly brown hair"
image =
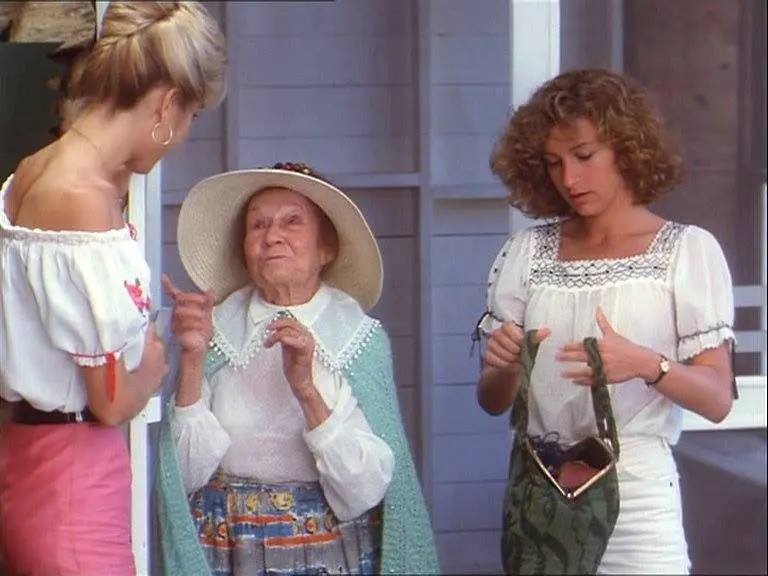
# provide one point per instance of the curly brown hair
(621, 111)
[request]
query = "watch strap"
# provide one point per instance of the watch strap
(663, 369)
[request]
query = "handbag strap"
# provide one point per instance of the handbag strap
(601, 399)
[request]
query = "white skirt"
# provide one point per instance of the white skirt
(649, 537)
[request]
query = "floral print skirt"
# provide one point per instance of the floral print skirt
(251, 529)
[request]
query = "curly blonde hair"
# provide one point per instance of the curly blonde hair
(625, 120)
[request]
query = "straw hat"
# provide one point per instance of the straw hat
(210, 231)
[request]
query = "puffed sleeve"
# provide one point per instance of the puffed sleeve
(507, 284)
(703, 295)
(93, 297)
(201, 441)
(354, 464)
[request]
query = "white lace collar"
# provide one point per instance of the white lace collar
(335, 320)
(307, 313)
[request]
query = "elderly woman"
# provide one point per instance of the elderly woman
(284, 429)
(589, 151)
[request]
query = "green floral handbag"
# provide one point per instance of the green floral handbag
(561, 505)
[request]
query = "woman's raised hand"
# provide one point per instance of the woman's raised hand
(622, 359)
(192, 318)
(505, 344)
(298, 348)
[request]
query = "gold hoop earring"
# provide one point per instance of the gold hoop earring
(157, 139)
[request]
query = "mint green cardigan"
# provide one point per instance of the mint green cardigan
(407, 541)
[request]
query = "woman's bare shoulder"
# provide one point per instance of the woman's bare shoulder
(52, 197)
(86, 207)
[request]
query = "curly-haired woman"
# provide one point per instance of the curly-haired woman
(588, 151)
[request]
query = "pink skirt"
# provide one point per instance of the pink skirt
(65, 501)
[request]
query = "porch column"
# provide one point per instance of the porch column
(534, 59)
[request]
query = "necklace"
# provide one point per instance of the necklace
(93, 145)
(122, 198)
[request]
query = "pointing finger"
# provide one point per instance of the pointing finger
(170, 289)
(541, 335)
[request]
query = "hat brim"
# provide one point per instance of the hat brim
(210, 239)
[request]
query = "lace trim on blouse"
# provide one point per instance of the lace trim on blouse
(548, 270)
(336, 363)
(341, 332)
(692, 345)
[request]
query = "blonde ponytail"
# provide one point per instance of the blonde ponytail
(147, 44)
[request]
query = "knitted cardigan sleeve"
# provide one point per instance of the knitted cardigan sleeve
(408, 545)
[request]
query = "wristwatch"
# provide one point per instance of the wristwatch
(664, 367)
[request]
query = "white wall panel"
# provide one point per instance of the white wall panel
(340, 155)
(457, 412)
(318, 60)
(327, 111)
(470, 457)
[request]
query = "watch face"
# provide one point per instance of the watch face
(664, 365)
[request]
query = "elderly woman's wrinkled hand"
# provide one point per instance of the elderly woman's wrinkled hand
(192, 319)
(298, 347)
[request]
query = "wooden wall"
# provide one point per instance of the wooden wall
(687, 54)
(704, 61)
(470, 94)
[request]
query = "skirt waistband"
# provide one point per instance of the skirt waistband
(23, 412)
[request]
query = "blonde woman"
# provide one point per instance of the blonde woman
(82, 357)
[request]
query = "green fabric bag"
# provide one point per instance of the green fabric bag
(549, 529)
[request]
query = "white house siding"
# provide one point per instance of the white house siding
(469, 94)
(202, 155)
(392, 217)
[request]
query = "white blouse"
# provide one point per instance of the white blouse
(248, 422)
(676, 299)
(67, 299)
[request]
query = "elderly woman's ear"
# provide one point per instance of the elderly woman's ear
(328, 236)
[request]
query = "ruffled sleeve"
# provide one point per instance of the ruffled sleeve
(703, 295)
(507, 284)
(355, 465)
(201, 441)
(93, 297)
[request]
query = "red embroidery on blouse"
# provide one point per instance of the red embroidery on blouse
(136, 292)
(111, 377)
(133, 232)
